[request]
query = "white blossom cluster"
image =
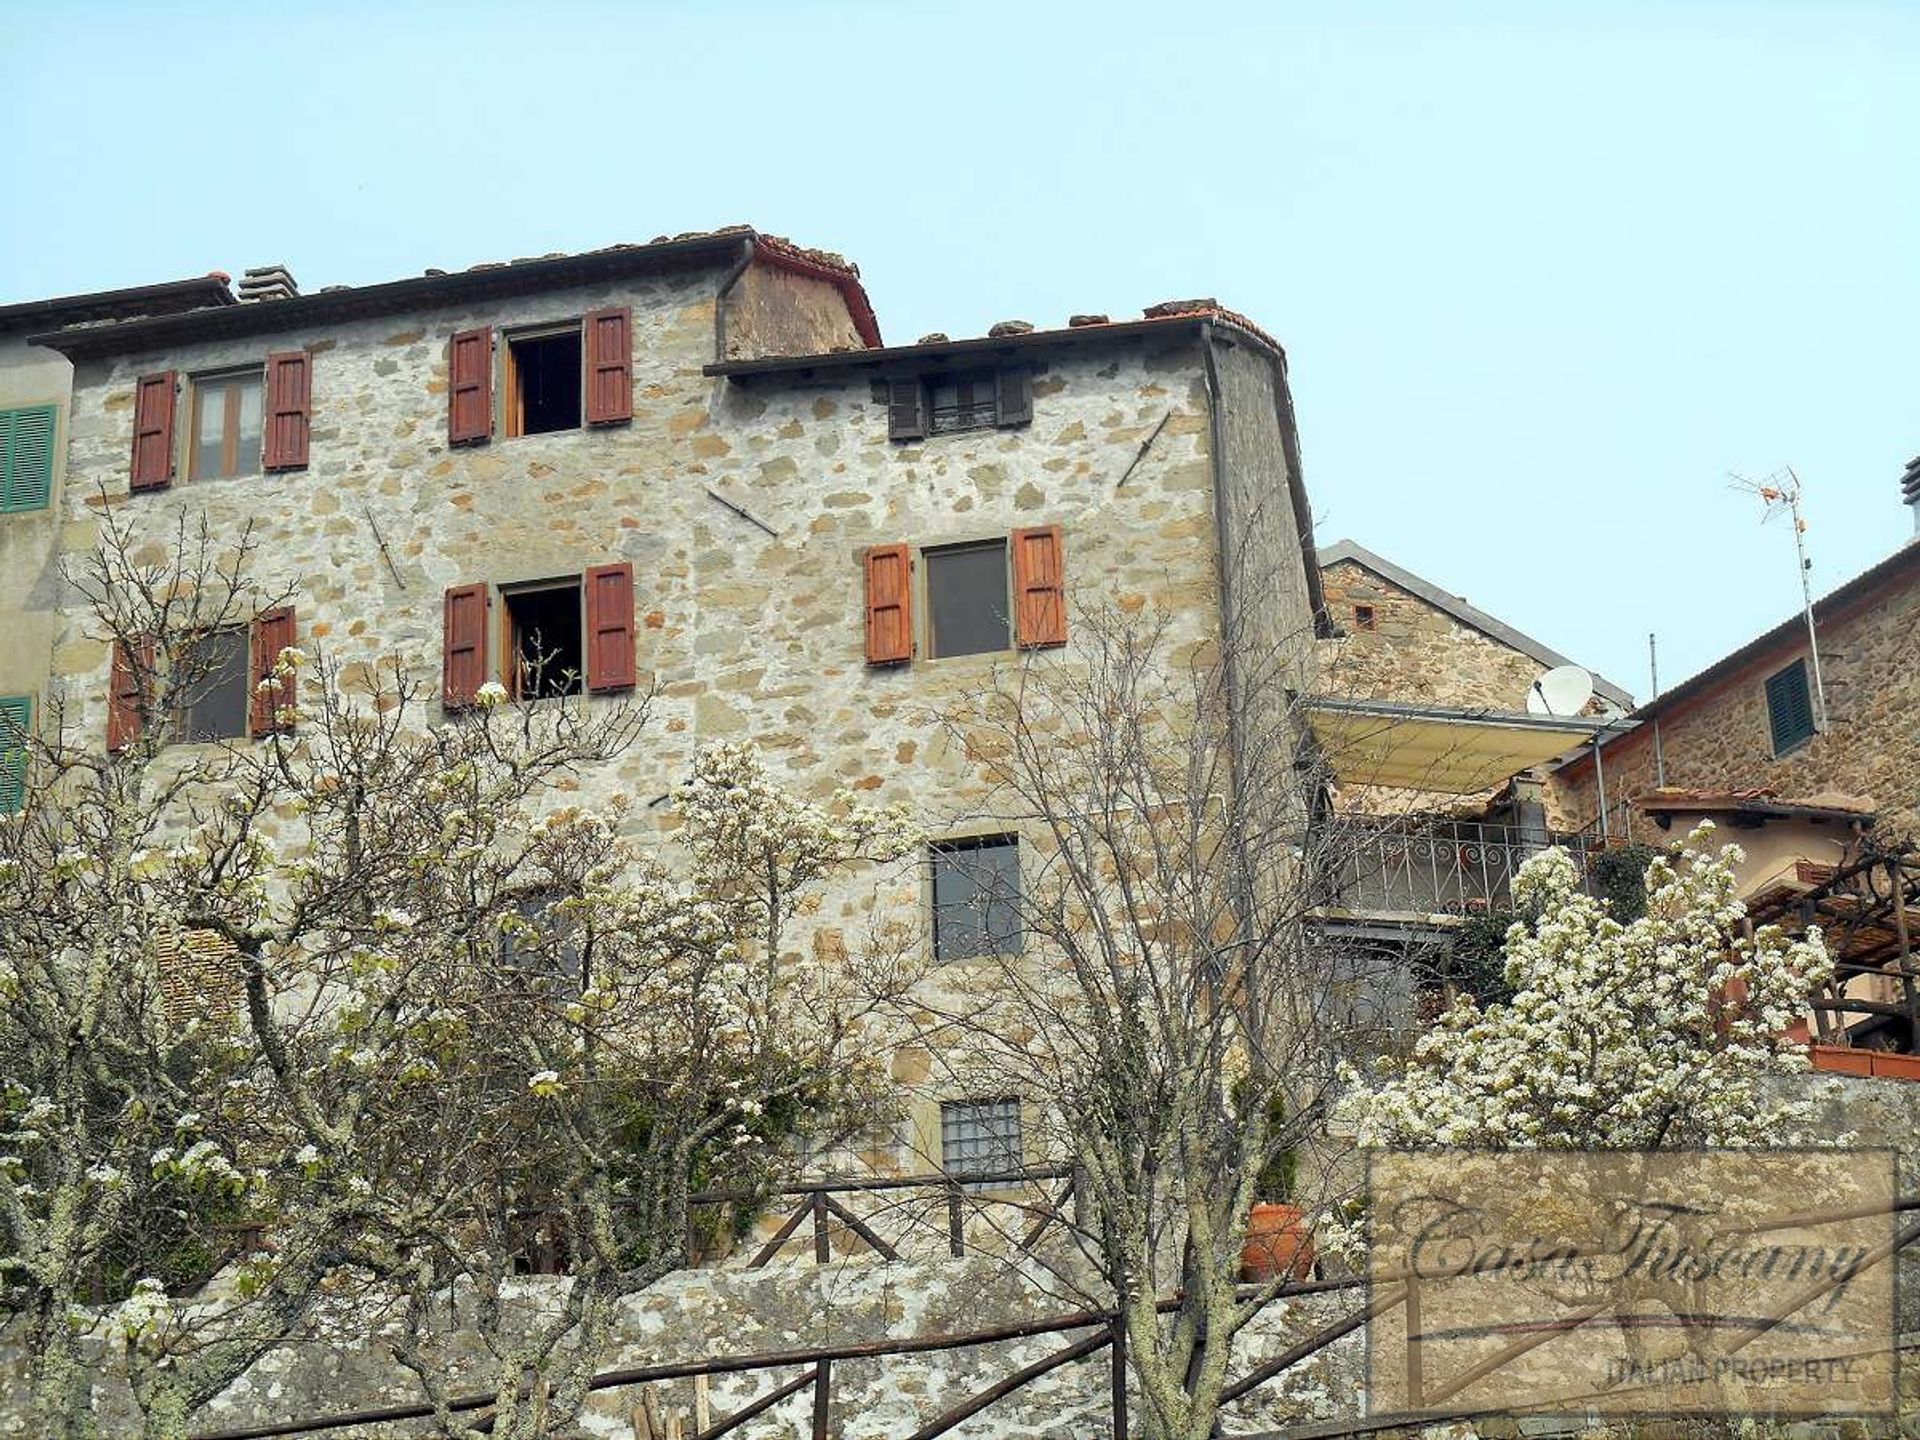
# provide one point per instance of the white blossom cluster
(1657, 1033)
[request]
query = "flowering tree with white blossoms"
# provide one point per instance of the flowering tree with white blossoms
(1658, 1033)
(450, 1025)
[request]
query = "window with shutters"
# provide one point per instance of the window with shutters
(227, 424)
(943, 403)
(569, 635)
(1790, 708)
(976, 897)
(26, 457)
(544, 639)
(982, 597)
(981, 1137)
(16, 716)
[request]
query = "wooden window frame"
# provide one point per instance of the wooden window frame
(923, 584)
(512, 416)
(509, 640)
(179, 706)
(230, 422)
(1005, 410)
(1366, 618)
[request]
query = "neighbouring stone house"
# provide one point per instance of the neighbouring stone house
(693, 463)
(1752, 721)
(35, 396)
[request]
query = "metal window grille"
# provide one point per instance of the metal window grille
(980, 1137)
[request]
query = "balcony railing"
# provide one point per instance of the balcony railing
(1373, 865)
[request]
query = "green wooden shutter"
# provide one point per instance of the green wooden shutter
(16, 714)
(26, 457)
(1789, 707)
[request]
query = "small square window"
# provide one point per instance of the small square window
(227, 411)
(1790, 708)
(981, 1137)
(967, 599)
(210, 684)
(543, 386)
(976, 897)
(1364, 618)
(543, 640)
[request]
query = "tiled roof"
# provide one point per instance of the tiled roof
(524, 274)
(1761, 800)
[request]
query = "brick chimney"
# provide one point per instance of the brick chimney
(268, 282)
(1910, 490)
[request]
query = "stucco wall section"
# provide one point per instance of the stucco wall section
(1721, 739)
(30, 539)
(773, 311)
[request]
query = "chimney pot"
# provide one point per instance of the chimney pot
(268, 282)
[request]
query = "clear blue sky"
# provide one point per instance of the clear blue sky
(1546, 273)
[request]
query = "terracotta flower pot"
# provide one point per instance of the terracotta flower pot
(1278, 1243)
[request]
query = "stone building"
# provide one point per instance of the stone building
(693, 463)
(1753, 721)
(35, 394)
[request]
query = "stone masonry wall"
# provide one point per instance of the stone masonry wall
(749, 634)
(1721, 740)
(1415, 653)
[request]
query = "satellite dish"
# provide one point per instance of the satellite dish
(1563, 690)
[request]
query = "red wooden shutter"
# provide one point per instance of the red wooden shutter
(153, 432)
(272, 633)
(463, 643)
(126, 691)
(1013, 397)
(906, 410)
(610, 628)
(470, 387)
(1039, 587)
(289, 410)
(609, 337)
(889, 604)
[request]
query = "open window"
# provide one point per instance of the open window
(543, 382)
(545, 639)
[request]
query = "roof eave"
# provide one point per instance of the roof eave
(160, 298)
(941, 351)
(361, 301)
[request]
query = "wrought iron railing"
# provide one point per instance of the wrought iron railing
(1393, 866)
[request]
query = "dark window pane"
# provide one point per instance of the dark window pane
(962, 402)
(976, 898)
(213, 687)
(967, 595)
(544, 636)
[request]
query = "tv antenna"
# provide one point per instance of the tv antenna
(1780, 494)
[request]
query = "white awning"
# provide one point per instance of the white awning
(1453, 752)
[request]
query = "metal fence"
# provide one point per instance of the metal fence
(1432, 867)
